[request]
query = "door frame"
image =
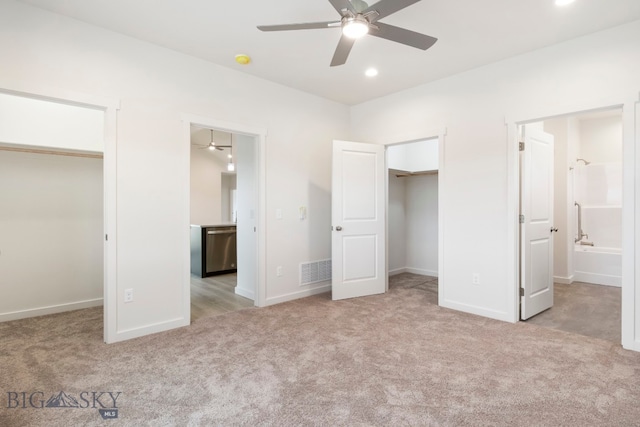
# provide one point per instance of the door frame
(631, 158)
(260, 137)
(440, 134)
(109, 106)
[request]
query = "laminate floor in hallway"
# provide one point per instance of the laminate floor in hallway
(214, 295)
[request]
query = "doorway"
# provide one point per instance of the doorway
(412, 215)
(213, 219)
(70, 140)
(223, 188)
(586, 251)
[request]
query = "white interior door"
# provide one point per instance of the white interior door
(536, 228)
(358, 220)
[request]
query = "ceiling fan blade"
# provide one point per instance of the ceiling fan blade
(301, 26)
(387, 7)
(402, 35)
(342, 51)
(340, 5)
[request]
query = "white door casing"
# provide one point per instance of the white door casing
(536, 207)
(358, 243)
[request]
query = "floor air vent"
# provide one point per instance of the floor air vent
(314, 272)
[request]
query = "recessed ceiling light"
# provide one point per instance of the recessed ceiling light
(371, 72)
(563, 2)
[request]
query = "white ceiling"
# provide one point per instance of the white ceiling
(471, 33)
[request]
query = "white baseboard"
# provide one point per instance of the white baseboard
(598, 279)
(397, 271)
(299, 294)
(52, 309)
(564, 280)
(419, 271)
(245, 293)
(472, 309)
(128, 334)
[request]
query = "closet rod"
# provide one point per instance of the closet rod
(55, 153)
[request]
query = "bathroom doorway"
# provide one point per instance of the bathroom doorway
(587, 214)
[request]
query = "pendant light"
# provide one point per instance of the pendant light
(230, 166)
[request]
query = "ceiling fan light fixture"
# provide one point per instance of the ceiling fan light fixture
(355, 28)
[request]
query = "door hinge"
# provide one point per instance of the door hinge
(521, 219)
(106, 237)
(521, 292)
(521, 146)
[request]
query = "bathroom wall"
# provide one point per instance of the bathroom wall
(598, 186)
(563, 241)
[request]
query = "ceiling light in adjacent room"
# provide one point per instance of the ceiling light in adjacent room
(371, 72)
(563, 2)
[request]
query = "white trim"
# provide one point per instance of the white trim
(631, 193)
(598, 279)
(260, 135)
(110, 106)
(473, 309)
(564, 280)
(432, 133)
(51, 309)
(127, 334)
(298, 294)
(397, 271)
(421, 271)
(245, 293)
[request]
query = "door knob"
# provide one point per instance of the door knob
(554, 229)
(338, 228)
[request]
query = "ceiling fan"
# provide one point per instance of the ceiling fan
(357, 18)
(212, 145)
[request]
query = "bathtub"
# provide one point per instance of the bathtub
(602, 266)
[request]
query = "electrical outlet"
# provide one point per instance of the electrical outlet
(476, 279)
(128, 295)
(279, 271)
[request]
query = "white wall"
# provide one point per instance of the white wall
(601, 139)
(413, 224)
(478, 190)
(396, 233)
(245, 152)
(563, 239)
(51, 234)
(421, 200)
(414, 156)
(49, 124)
(598, 186)
(155, 87)
(229, 184)
(207, 167)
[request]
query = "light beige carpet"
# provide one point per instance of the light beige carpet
(387, 360)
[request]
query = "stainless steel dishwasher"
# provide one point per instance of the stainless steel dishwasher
(220, 249)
